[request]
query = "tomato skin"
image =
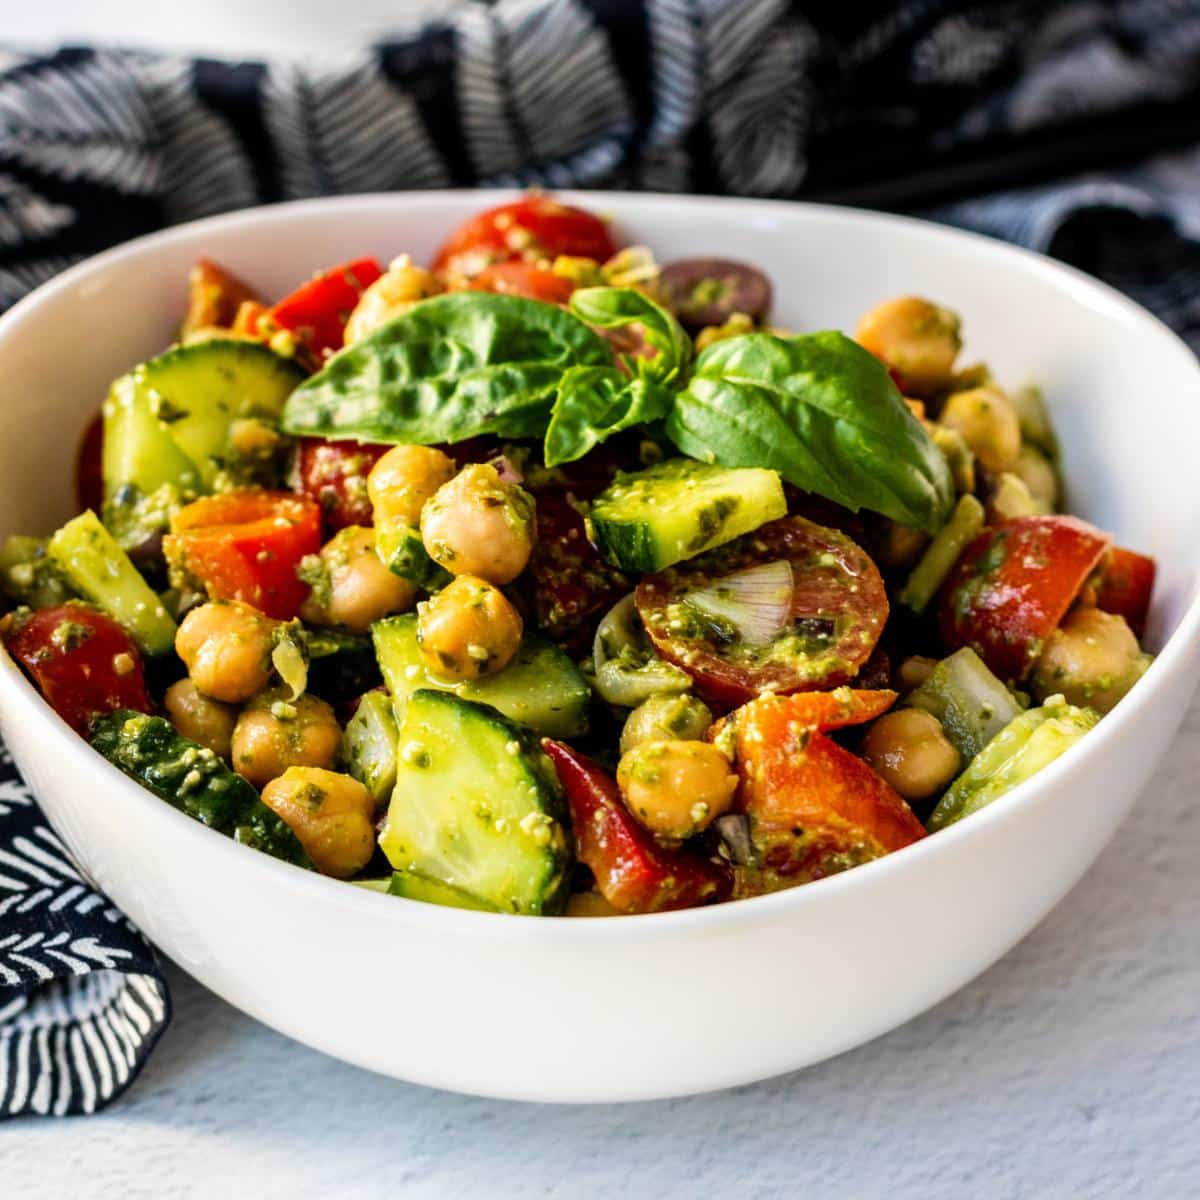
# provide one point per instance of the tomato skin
(1013, 585)
(814, 807)
(530, 229)
(633, 872)
(89, 476)
(1126, 584)
(317, 311)
(79, 676)
(214, 296)
(573, 586)
(246, 545)
(523, 279)
(834, 580)
(335, 474)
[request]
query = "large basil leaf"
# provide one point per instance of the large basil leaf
(821, 411)
(453, 367)
(593, 403)
(615, 308)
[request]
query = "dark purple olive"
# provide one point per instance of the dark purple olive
(708, 291)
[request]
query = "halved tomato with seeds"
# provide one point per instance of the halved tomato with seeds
(838, 610)
(1013, 585)
(523, 279)
(532, 228)
(335, 474)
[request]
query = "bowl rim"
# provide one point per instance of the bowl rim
(1174, 658)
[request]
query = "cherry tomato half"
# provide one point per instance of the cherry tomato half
(335, 474)
(82, 661)
(317, 311)
(523, 279)
(1013, 585)
(633, 872)
(89, 475)
(246, 545)
(839, 608)
(530, 229)
(1126, 582)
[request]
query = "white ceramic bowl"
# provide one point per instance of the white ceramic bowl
(600, 1010)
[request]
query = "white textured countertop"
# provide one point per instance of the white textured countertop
(1070, 1069)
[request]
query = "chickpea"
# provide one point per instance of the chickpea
(468, 629)
(390, 296)
(913, 672)
(226, 647)
(352, 587)
(403, 479)
(909, 750)
(988, 423)
(331, 815)
(1093, 659)
(665, 718)
(201, 720)
(676, 788)
(479, 525)
(274, 733)
(1039, 476)
(914, 336)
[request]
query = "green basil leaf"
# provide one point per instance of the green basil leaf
(613, 308)
(593, 403)
(453, 367)
(821, 411)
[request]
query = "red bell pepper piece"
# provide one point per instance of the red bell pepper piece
(1126, 582)
(633, 872)
(82, 661)
(814, 808)
(1013, 585)
(246, 545)
(317, 311)
(214, 297)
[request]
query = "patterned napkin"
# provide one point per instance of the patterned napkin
(1070, 127)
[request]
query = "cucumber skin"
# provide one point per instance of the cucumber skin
(413, 885)
(402, 551)
(396, 649)
(369, 745)
(89, 557)
(341, 665)
(642, 543)
(546, 890)
(149, 750)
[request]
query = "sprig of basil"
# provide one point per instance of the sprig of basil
(593, 403)
(453, 367)
(821, 411)
(615, 308)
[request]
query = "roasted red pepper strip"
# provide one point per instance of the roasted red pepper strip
(633, 872)
(1126, 582)
(82, 661)
(246, 546)
(815, 808)
(1013, 585)
(317, 311)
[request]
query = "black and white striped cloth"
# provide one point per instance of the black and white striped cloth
(1071, 126)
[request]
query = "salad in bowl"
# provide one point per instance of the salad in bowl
(548, 579)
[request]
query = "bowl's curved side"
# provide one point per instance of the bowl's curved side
(609, 1010)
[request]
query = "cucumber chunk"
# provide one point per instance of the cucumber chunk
(478, 806)
(413, 885)
(1017, 753)
(650, 519)
(29, 576)
(965, 524)
(541, 688)
(194, 780)
(369, 745)
(402, 551)
(970, 702)
(98, 569)
(196, 392)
